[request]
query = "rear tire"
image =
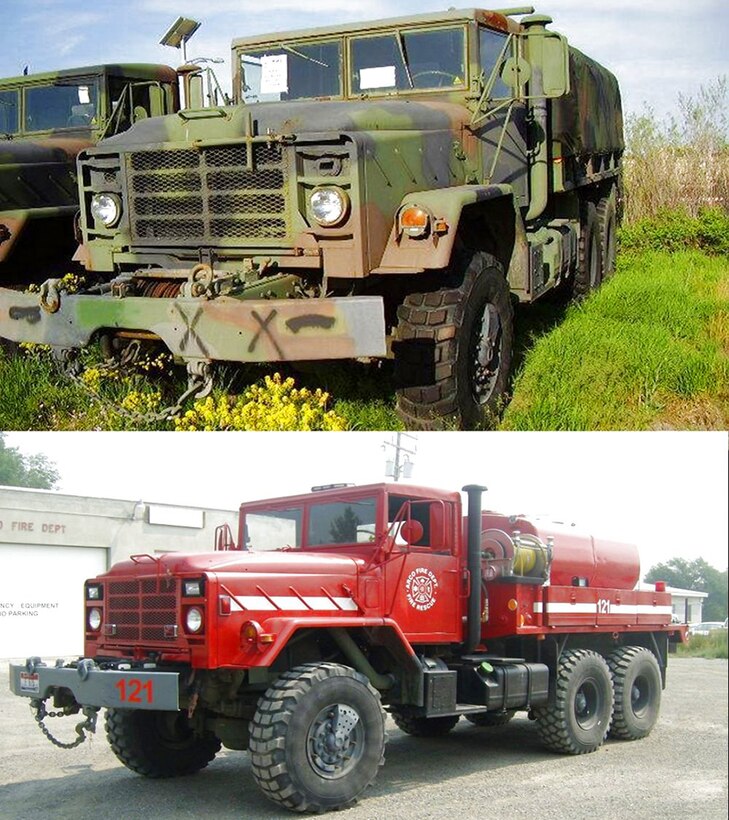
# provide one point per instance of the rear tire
(158, 744)
(637, 683)
(454, 348)
(419, 726)
(588, 275)
(491, 718)
(578, 720)
(607, 225)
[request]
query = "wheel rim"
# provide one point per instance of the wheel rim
(487, 355)
(640, 695)
(587, 705)
(335, 741)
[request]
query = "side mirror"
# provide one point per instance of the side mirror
(547, 55)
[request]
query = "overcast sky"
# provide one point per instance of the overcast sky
(657, 48)
(666, 492)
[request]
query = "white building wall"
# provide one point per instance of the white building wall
(51, 543)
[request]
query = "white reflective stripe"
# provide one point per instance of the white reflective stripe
(290, 603)
(640, 609)
(615, 609)
(319, 602)
(346, 603)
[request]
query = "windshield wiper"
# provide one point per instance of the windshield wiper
(403, 56)
(303, 56)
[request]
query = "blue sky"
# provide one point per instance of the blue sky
(657, 48)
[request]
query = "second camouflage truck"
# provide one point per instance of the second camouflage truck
(46, 120)
(379, 189)
(335, 603)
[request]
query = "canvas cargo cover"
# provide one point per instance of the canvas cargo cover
(589, 119)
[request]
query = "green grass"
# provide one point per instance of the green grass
(648, 350)
(713, 645)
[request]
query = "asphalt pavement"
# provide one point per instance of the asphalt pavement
(679, 771)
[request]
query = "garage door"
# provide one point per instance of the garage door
(41, 598)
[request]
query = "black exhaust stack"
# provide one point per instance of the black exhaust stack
(473, 544)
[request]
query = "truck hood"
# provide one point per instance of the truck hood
(297, 119)
(36, 152)
(233, 562)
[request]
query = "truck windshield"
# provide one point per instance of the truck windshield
(67, 105)
(336, 522)
(292, 71)
(408, 60)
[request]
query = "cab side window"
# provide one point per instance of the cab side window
(9, 112)
(491, 46)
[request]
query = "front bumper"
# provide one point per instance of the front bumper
(221, 329)
(91, 686)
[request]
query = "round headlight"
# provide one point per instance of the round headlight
(95, 619)
(329, 206)
(194, 619)
(106, 208)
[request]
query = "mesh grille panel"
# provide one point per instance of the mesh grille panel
(201, 197)
(141, 609)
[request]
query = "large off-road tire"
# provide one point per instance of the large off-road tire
(588, 274)
(579, 718)
(491, 718)
(454, 347)
(158, 744)
(607, 225)
(317, 738)
(637, 684)
(419, 726)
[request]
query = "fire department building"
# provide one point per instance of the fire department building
(51, 543)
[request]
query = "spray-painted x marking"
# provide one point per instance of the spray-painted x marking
(264, 328)
(190, 336)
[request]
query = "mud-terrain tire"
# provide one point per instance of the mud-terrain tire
(491, 718)
(607, 224)
(419, 726)
(317, 738)
(588, 274)
(637, 684)
(578, 720)
(454, 348)
(158, 744)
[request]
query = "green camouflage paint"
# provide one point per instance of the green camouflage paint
(494, 131)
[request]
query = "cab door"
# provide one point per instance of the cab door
(424, 587)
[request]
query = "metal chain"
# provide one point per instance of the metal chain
(88, 725)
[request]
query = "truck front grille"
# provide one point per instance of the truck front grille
(139, 609)
(204, 197)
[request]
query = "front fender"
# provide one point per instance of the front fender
(406, 254)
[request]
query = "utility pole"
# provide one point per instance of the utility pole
(405, 446)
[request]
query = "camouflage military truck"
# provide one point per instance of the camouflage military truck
(379, 189)
(45, 121)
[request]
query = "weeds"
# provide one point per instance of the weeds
(713, 645)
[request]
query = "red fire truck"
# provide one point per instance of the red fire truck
(332, 605)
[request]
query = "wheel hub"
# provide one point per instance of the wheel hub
(487, 354)
(335, 741)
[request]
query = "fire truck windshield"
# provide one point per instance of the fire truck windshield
(331, 523)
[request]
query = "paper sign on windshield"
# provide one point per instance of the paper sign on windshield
(379, 77)
(274, 74)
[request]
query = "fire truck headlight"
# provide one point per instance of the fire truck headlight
(106, 208)
(94, 619)
(193, 619)
(329, 205)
